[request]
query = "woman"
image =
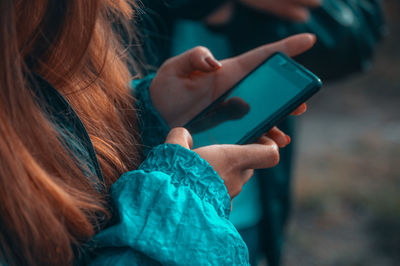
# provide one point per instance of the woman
(64, 146)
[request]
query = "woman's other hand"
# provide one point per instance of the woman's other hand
(295, 10)
(235, 163)
(186, 84)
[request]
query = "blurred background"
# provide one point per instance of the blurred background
(347, 178)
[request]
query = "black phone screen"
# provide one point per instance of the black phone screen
(264, 92)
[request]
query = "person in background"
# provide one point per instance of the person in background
(229, 28)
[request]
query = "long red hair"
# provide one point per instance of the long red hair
(48, 207)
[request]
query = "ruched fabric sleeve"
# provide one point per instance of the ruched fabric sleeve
(173, 210)
(153, 128)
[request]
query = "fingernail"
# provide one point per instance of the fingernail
(214, 63)
(288, 139)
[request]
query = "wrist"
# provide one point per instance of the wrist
(187, 168)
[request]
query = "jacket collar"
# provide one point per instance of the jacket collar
(61, 113)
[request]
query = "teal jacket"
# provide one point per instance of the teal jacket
(173, 210)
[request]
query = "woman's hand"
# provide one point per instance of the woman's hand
(235, 163)
(296, 10)
(186, 84)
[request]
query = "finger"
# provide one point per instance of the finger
(300, 110)
(259, 156)
(180, 136)
(196, 59)
(278, 136)
(290, 46)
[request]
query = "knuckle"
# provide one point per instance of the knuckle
(273, 153)
(180, 136)
(275, 156)
(189, 138)
(200, 50)
(177, 132)
(183, 131)
(275, 147)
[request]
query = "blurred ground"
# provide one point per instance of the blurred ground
(347, 189)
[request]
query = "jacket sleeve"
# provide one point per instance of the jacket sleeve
(152, 126)
(173, 210)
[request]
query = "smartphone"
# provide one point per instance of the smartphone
(255, 104)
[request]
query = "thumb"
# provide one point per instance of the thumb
(196, 59)
(180, 136)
